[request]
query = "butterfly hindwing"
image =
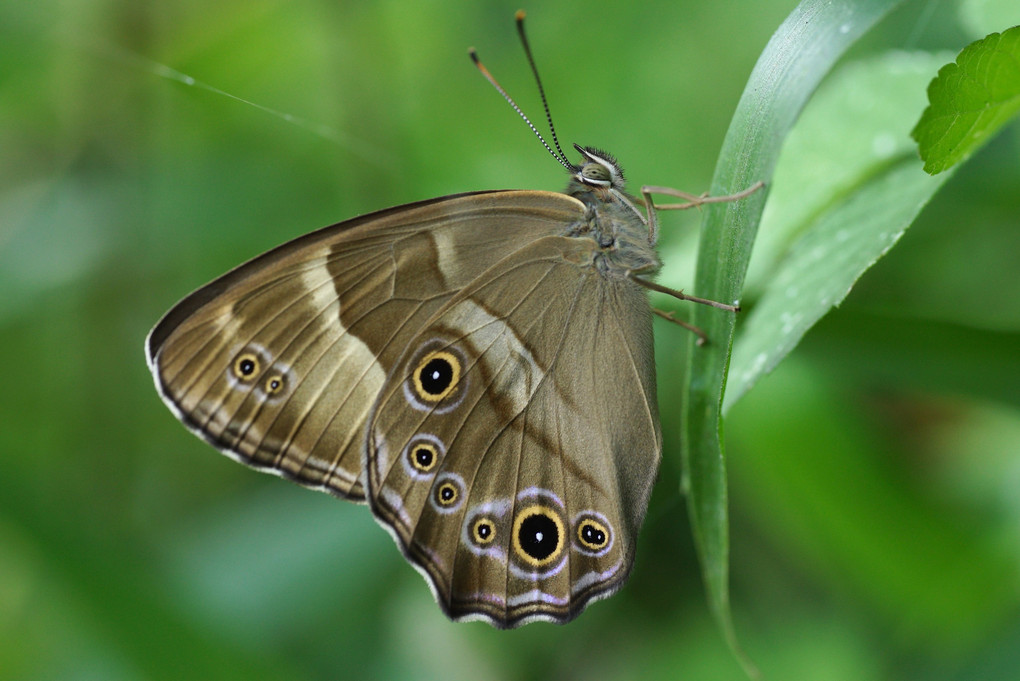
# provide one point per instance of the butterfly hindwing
(515, 443)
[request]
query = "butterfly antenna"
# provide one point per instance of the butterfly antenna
(538, 81)
(499, 88)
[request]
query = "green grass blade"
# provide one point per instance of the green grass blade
(796, 59)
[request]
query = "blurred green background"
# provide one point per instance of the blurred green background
(875, 476)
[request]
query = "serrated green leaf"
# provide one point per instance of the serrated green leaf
(970, 100)
(796, 59)
(840, 202)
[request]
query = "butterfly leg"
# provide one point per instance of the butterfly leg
(668, 316)
(690, 201)
(679, 295)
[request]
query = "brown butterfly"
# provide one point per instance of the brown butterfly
(477, 367)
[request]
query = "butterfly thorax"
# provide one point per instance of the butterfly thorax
(612, 219)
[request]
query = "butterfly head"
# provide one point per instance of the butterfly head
(598, 169)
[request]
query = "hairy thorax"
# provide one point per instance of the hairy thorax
(619, 231)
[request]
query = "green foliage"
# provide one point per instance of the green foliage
(839, 203)
(970, 101)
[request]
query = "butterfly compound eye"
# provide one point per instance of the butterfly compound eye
(596, 172)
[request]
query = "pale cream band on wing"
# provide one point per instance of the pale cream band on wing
(446, 254)
(343, 349)
(329, 359)
(518, 374)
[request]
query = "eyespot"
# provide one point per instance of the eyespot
(436, 375)
(593, 533)
(246, 367)
(483, 531)
(274, 385)
(422, 455)
(448, 493)
(538, 535)
(436, 381)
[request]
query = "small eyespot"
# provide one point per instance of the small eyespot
(538, 536)
(274, 385)
(447, 494)
(436, 376)
(423, 456)
(246, 367)
(592, 535)
(483, 531)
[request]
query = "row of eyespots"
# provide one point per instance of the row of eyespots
(435, 385)
(252, 368)
(538, 533)
(538, 536)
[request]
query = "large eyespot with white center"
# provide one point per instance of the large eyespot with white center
(436, 380)
(538, 535)
(593, 533)
(447, 493)
(436, 376)
(422, 455)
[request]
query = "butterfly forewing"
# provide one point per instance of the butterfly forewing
(279, 362)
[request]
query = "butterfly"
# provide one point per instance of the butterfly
(478, 368)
